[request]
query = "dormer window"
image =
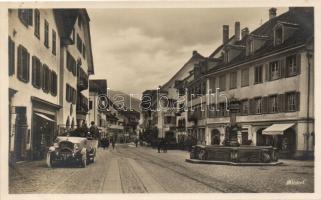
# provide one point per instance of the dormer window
(278, 39)
(251, 43)
(226, 57)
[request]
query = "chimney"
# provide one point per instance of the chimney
(272, 13)
(237, 31)
(194, 52)
(245, 32)
(225, 34)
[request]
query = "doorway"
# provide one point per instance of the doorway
(215, 137)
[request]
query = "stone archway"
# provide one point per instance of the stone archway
(215, 137)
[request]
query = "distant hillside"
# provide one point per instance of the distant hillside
(134, 101)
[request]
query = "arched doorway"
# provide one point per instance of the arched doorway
(215, 137)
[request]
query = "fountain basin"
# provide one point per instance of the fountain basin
(242, 155)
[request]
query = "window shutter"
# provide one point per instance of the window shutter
(265, 105)
(11, 57)
(241, 107)
(281, 103)
(267, 72)
(34, 71)
(282, 68)
(19, 62)
(30, 12)
(298, 101)
(252, 106)
(298, 63)
(49, 80)
(28, 66)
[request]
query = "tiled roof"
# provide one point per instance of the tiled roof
(303, 17)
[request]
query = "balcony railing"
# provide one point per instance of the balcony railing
(82, 79)
(82, 104)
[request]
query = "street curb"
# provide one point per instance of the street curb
(195, 161)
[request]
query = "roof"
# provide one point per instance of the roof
(196, 56)
(98, 85)
(303, 17)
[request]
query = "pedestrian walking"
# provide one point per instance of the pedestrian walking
(136, 142)
(160, 144)
(164, 146)
(113, 143)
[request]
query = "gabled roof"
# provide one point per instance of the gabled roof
(195, 57)
(304, 20)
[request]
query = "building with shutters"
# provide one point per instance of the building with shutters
(34, 71)
(43, 92)
(271, 72)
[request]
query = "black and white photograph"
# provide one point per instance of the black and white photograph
(162, 100)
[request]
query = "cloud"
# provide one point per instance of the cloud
(139, 49)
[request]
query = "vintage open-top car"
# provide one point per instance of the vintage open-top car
(72, 148)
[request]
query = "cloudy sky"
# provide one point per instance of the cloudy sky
(139, 49)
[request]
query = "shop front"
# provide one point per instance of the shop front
(44, 127)
(281, 136)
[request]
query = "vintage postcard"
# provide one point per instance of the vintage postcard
(183, 100)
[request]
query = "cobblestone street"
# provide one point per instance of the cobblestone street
(139, 170)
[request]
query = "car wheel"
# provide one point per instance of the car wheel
(50, 160)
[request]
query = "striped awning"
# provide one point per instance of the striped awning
(276, 129)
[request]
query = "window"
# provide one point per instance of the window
(258, 105)
(37, 24)
(273, 104)
(90, 105)
(203, 88)
(79, 44)
(84, 51)
(70, 94)
(251, 46)
(23, 64)
(226, 57)
(291, 65)
(11, 56)
(212, 84)
(53, 84)
(36, 72)
(245, 107)
(25, 16)
(46, 42)
(274, 70)
(292, 100)
(233, 80)
(245, 77)
(71, 64)
(278, 36)
(45, 78)
(54, 42)
(258, 74)
(222, 82)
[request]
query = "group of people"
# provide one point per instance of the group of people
(162, 145)
(104, 142)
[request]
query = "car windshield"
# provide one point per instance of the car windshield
(74, 133)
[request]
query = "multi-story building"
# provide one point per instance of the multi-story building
(38, 43)
(98, 103)
(76, 65)
(34, 72)
(270, 71)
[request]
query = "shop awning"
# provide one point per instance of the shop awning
(276, 129)
(45, 117)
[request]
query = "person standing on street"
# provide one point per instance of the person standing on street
(113, 143)
(94, 131)
(136, 142)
